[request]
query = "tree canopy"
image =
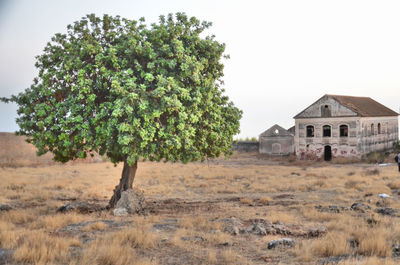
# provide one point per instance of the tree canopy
(130, 91)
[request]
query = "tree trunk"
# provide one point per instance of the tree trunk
(126, 182)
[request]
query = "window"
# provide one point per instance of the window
(325, 111)
(326, 131)
(344, 130)
(310, 131)
(372, 129)
(379, 128)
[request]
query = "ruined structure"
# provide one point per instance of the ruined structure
(344, 126)
(276, 141)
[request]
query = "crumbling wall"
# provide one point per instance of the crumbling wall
(341, 146)
(278, 145)
(362, 138)
(246, 146)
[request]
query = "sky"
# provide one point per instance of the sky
(284, 55)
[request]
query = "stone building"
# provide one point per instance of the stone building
(276, 141)
(345, 126)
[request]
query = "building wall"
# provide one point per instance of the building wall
(314, 146)
(245, 146)
(276, 145)
(360, 140)
(371, 140)
(335, 109)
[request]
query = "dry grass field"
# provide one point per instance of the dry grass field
(217, 212)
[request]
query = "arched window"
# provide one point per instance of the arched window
(344, 130)
(379, 128)
(326, 131)
(310, 131)
(372, 129)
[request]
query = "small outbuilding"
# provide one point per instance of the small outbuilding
(276, 141)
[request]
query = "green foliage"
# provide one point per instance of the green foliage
(130, 91)
(247, 139)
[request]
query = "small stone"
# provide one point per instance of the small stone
(80, 207)
(227, 244)
(360, 207)
(165, 227)
(333, 259)
(234, 230)
(386, 211)
(120, 212)
(396, 250)
(193, 238)
(5, 207)
(6, 256)
(259, 230)
(289, 242)
(316, 232)
(353, 243)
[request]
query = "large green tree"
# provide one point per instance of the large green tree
(131, 92)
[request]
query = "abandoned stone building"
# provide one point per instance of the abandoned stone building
(345, 126)
(276, 141)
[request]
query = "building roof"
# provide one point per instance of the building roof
(363, 106)
(276, 130)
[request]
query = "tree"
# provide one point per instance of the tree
(131, 92)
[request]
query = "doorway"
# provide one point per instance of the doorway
(327, 153)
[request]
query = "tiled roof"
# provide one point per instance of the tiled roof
(364, 106)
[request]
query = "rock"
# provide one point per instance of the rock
(266, 259)
(384, 196)
(360, 207)
(6, 256)
(77, 227)
(353, 243)
(232, 229)
(263, 227)
(4, 207)
(133, 201)
(331, 208)
(396, 250)
(120, 212)
(227, 244)
(386, 211)
(193, 238)
(289, 242)
(316, 232)
(259, 230)
(333, 259)
(80, 207)
(165, 227)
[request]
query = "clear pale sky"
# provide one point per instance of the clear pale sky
(284, 54)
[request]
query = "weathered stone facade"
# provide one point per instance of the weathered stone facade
(276, 141)
(344, 126)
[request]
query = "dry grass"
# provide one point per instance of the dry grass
(211, 256)
(368, 261)
(36, 247)
(55, 221)
(194, 194)
(17, 217)
(373, 241)
(97, 226)
(120, 247)
(333, 244)
(265, 200)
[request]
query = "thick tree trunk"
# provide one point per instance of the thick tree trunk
(126, 182)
